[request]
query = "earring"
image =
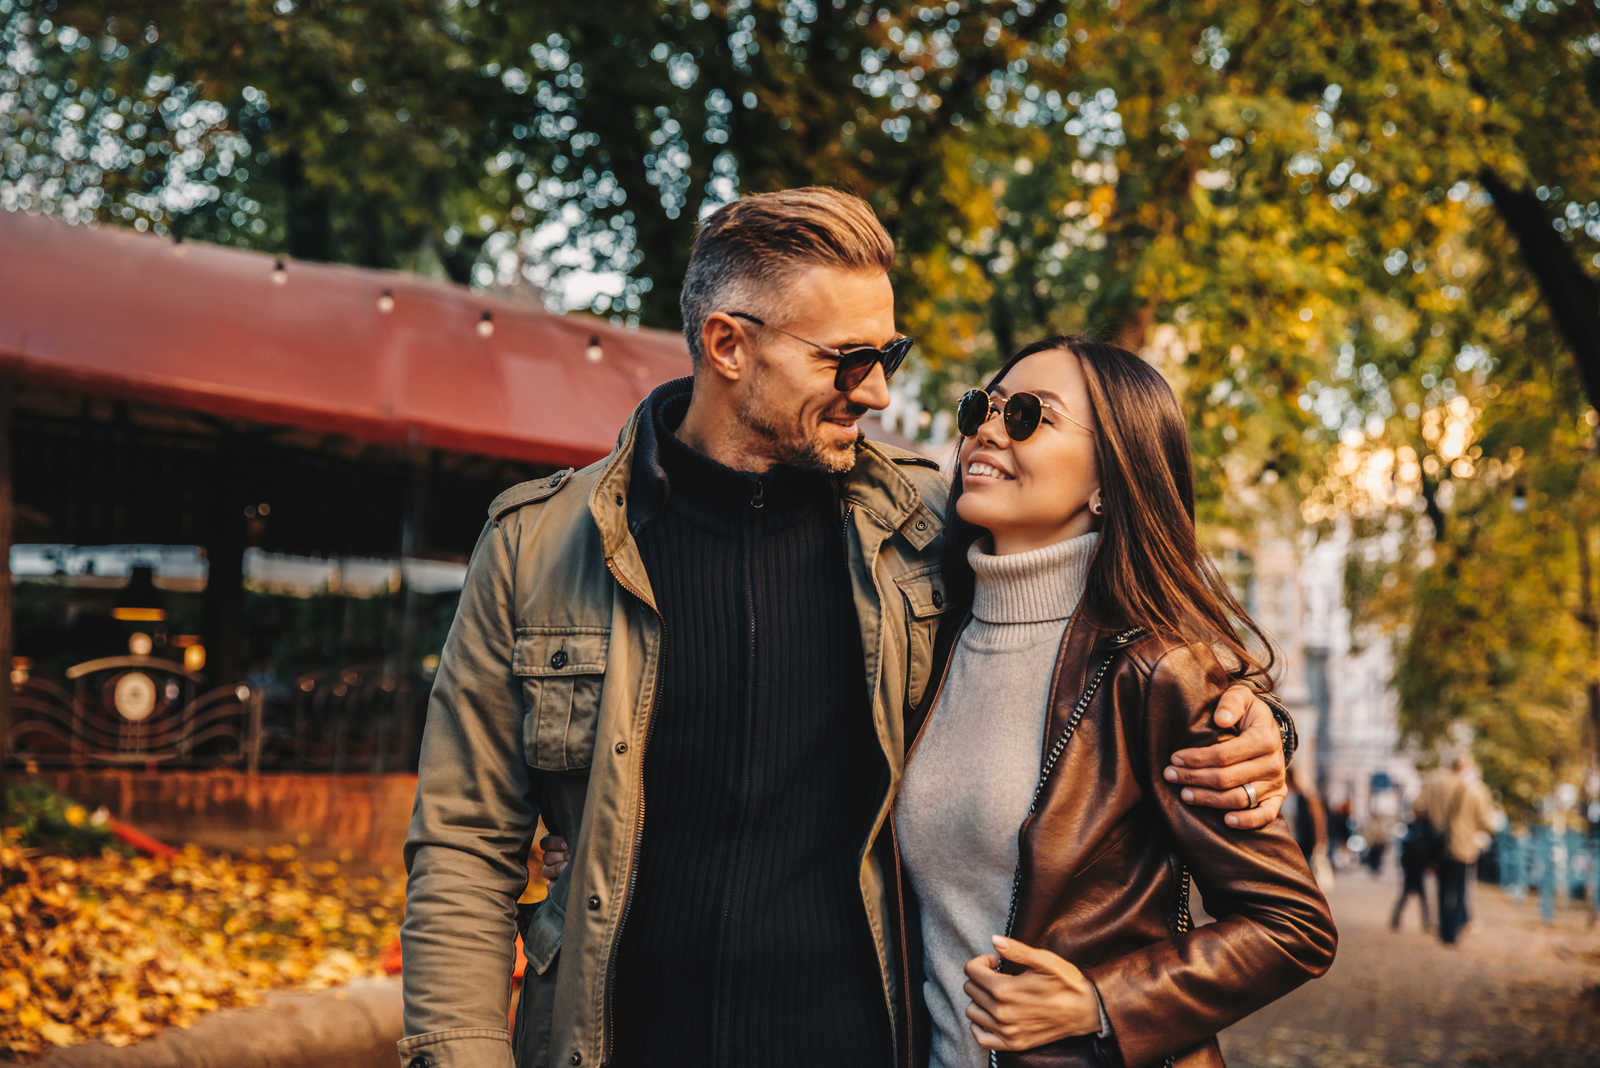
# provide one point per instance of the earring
(1097, 506)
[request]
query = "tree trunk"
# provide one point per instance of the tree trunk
(1572, 297)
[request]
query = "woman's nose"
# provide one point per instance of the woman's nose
(992, 433)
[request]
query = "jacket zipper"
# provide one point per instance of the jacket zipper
(638, 833)
(734, 875)
(1051, 760)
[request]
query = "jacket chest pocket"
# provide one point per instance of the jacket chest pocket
(925, 605)
(562, 671)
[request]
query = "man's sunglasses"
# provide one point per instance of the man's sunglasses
(855, 363)
(1020, 416)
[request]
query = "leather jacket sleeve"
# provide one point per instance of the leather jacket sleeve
(471, 827)
(1273, 930)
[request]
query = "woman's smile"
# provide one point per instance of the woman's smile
(981, 469)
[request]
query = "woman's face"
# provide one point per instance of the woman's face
(1033, 493)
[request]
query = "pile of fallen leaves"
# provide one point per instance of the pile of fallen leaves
(115, 948)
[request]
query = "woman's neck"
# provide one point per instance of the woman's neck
(1038, 586)
(1027, 539)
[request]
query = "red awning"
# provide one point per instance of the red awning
(206, 327)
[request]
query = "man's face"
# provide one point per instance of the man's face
(788, 402)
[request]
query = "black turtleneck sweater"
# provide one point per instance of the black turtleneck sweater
(746, 942)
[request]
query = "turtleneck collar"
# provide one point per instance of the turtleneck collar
(722, 499)
(1037, 586)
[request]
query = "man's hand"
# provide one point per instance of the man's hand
(555, 856)
(1050, 1001)
(1214, 775)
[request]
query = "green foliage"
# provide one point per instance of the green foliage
(40, 818)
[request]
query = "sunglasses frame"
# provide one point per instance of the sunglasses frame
(855, 364)
(1026, 421)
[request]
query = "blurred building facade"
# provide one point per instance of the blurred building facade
(1334, 679)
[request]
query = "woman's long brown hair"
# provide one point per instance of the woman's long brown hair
(1148, 569)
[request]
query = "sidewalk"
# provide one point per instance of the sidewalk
(350, 1026)
(1513, 992)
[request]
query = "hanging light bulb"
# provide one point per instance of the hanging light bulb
(486, 325)
(280, 274)
(386, 301)
(1519, 500)
(593, 352)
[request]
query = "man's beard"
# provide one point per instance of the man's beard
(795, 445)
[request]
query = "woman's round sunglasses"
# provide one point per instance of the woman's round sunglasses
(855, 363)
(1020, 415)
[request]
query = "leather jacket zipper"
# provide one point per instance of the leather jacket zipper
(638, 833)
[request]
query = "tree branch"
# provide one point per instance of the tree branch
(1572, 297)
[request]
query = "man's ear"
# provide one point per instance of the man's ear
(724, 346)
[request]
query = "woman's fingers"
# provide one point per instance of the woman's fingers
(985, 1026)
(987, 1039)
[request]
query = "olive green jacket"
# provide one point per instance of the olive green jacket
(542, 706)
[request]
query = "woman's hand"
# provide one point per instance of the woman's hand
(1051, 1000)
(1214, 775)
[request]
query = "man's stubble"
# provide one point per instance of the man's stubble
(788, 442)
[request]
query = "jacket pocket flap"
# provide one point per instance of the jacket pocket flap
(924, 591)
(547, 651)
(542, 940)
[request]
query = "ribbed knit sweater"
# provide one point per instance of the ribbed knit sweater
(971, 775)
(747, 942)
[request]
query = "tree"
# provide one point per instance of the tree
(1360, 237)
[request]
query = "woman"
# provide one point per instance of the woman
(1098, 638)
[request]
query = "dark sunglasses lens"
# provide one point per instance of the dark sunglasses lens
(971, 412)
(895, 355)
(1022, 416)
(854, 369)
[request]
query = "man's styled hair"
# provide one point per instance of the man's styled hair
(745, 251)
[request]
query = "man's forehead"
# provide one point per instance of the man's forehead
(840, 307)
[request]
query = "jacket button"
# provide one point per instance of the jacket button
(577, 1058)
(418, 1062)
(622, 747)
(922, 524)
(619, 505)
(594, 903)
(938, 598)
(558, 660)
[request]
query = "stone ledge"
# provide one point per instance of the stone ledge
(351, 1026)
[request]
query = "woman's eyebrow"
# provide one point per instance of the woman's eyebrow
(1042, 394)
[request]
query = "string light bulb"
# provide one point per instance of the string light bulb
(593, 353)
(486, 325)
(386, 301)
(280, 273)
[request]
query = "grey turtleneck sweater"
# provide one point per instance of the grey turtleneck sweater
(972, 774)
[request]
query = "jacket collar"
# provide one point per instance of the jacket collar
(633, 485)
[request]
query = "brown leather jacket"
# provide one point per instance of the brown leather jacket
(1098, 878)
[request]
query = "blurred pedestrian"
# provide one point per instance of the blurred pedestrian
(1458, 806)
(1418, 850)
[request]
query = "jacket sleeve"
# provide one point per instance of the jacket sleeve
(471, 827)
(1273, 930)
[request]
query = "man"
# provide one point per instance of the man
(719, 627)
(1458, 806)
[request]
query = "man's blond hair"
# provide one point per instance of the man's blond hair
(746, 251)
